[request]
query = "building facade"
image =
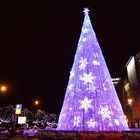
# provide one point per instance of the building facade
(133, 75)
(128, 90)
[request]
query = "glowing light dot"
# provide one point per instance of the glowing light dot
(3, 88)
(36, 102)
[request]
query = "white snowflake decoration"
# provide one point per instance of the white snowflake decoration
(91, 123)
(72, 74)
(116, 122)
(70, 87)
(91, 88)
(70, 108)
(77, 120)
(78, 89)
(123, 119)
(80, 47)
(72, 94)
(87, 78)
(86, 103)
(97, 63)
(110, 124)
(85, 30)
(104, 88)
(63, 115)
(106, 114)
(96, 55)
(83, 63)
(84, 39)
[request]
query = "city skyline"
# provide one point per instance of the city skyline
(39, 40)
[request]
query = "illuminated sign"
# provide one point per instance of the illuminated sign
(18, 109)
(22, 120)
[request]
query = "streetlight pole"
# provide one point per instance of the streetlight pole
(36, 103)
(130, 103)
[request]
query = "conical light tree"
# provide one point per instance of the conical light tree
(91, 102)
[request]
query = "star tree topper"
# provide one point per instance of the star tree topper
(86, 10)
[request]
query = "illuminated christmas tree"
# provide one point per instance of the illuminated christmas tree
(91, 102)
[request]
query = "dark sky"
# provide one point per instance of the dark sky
(38, 41)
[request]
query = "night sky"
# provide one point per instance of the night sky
(38, 41)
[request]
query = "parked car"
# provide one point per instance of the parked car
(4, 131)
(30, 132)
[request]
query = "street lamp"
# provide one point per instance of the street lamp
(36, 102)
(3, 88)
(130, 103)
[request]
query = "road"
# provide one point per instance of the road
(18, 138)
